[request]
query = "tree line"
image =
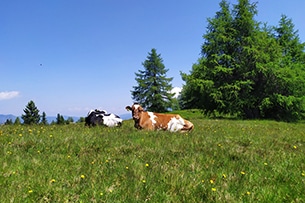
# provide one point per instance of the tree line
(31, 116)
(248, 68)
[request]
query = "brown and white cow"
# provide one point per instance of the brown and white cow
(158, 121)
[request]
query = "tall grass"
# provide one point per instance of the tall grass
(220, 161)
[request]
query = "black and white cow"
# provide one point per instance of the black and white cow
(101, 117)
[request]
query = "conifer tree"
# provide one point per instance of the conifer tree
(60, 119)
(44, 119)
(69, 120)
(289, 40)
(8, 122)
(31, 115)
(287, 100)
(214, 68)
(153, 89)
(17, 121)
(247, 70)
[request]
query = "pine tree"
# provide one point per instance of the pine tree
(286, 101)
(31, 115)
(247, 70)
(246, 57)
(60, 119)
(289, 40)
(8, 122)
(153, 90)
(69, 120)
(214, 69)
(44, 119)
(17, 121)
(81, 120)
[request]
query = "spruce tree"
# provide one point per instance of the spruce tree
(31, 115)
(287, 99)
(8, 122)
(153, 89)
(69, 120)
(246, 57)
(44, 119)
(289, 40)
(202, 89)
(60, 119)
(247, 70)
(17, 121)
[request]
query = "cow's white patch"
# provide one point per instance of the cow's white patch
(112, 120)
(152, 117)
(136, 106)
(175, 124)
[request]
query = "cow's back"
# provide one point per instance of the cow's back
(162, 120)
(171, 122)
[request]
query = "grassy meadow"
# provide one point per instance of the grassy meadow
(220, 161)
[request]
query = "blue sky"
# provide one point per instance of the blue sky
(70, 56)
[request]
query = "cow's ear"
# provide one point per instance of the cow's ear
(128, 108)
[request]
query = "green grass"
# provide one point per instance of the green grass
(220, 161)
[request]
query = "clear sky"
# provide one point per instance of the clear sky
(70, 56)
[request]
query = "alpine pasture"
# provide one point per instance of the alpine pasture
(219, 161)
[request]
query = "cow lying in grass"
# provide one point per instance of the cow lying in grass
(158, 121)
(98, 117)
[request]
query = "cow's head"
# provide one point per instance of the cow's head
(136, 111)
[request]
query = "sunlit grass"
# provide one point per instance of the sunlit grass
(220, 161)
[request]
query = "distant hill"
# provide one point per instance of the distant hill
(3, 118)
